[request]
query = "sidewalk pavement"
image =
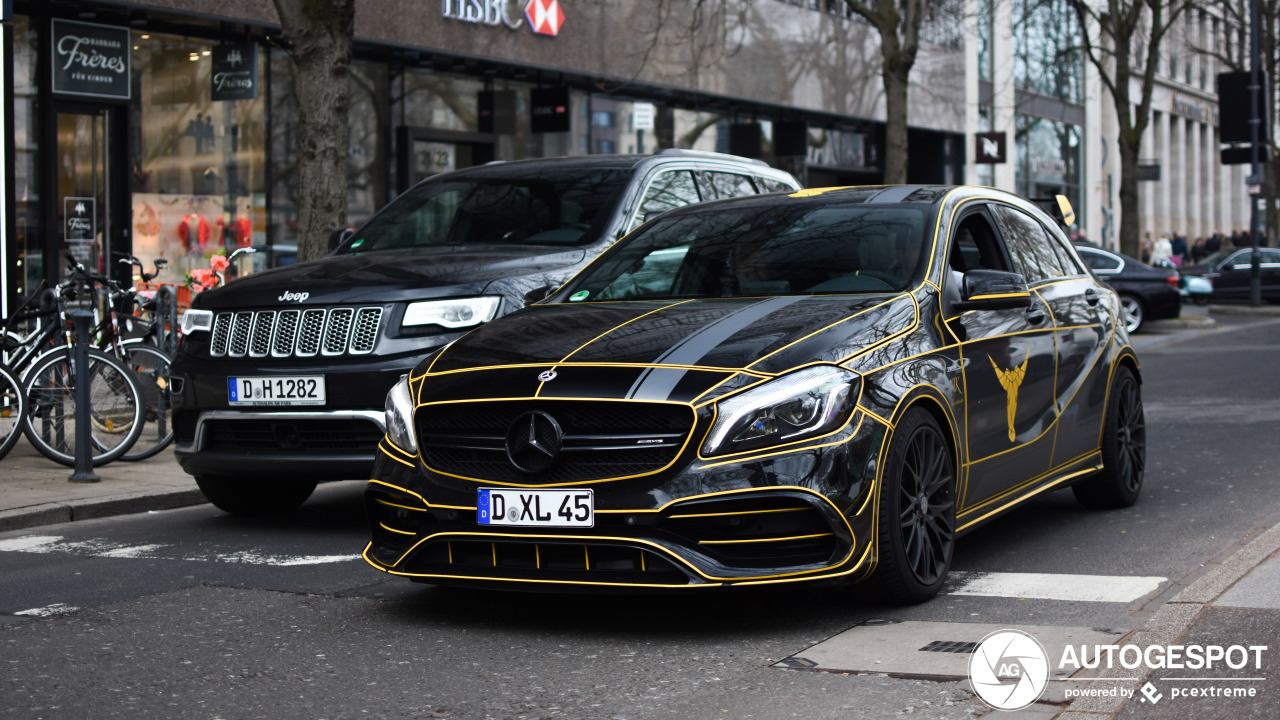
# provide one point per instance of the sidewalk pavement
(1237, 602)
(35, 491)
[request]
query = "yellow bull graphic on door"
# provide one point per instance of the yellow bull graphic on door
(1011, 380)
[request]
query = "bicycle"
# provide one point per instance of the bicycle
(13, 409)
(39, 346)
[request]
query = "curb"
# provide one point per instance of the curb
(1264, 310)
(1173, 618)
(1186, 322)
(100, 507)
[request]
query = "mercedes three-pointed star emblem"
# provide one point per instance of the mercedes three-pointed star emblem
(534, 440)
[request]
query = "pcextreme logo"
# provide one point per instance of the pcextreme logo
(1011, 380)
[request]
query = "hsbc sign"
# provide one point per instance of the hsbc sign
(544, 17)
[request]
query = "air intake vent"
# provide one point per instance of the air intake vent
(300, 333)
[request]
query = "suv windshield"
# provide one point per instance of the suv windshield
(568, 206)
(779, 249)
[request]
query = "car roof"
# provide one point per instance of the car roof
(619, 162)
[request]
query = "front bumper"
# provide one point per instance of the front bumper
(335, 441)
(804, 515)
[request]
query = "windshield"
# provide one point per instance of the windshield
(778, 249)
(564, 206)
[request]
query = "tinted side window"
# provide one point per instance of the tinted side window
(1028, 245)
(975, 246)
(668, 191)
(1100, 262)
(727, 185)
(769, 185)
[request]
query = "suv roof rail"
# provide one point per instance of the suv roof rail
(711, 155)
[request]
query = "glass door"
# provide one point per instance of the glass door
(91, 185)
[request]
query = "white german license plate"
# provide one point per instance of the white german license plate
(536, 508)
(276, 391)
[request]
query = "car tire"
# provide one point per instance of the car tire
(1134, 312)
(917, 512)
(1124, 448)
(255, 496)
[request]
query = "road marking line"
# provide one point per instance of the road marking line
(49, 610)
(93, 547)
(1046, 586)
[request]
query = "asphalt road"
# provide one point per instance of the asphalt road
(194, 614)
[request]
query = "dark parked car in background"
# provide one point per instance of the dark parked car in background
(823, 385)
(1231, 271)
(1146, 293)
(282, 374)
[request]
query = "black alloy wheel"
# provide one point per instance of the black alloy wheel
(1124, 448)
(917, 514)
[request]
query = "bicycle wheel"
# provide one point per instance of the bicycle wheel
(150, 367)
(116, 407)
(13, 408)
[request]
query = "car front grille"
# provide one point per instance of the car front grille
(601, 439)
(296, 333)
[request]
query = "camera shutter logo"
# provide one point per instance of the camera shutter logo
(1009, 670)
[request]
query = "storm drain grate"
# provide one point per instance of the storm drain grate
(950, 646)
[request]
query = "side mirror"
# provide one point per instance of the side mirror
(539, 294)
(339, 236)
(993, 290)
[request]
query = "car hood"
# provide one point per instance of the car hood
(390, 276)
(658, 350)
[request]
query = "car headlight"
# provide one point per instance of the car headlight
(399, 416)
(806, 403)
(193, 320)
(452, 314)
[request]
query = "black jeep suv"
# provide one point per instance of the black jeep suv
(282, 375)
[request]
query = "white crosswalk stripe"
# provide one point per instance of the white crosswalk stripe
(1046, 586)
(54, 544)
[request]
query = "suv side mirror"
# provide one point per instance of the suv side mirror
(339, 236)
(539, 294)
(993, 290)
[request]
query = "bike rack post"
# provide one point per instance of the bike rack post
(167, 316)
(84, 446)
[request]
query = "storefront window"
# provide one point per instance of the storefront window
(1049, 159)
(199, 176)
(29, 244)
(1047, 58)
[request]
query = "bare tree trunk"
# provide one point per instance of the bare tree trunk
(1129, 220)
(319, 36)
(895, 131)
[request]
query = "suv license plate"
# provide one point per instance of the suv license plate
(276, 390)
(536, 508)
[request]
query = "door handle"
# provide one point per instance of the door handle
(1091, 296)
(1035, 316)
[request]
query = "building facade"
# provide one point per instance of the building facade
(1026, 80)
(167, 128)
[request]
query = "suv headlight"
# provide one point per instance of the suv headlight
(806, 403)
(193, 320)
(452, 314)
(399, 417)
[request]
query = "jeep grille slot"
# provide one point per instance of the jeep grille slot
(300, 333)
(337, 331)
(221, 334)
(365, 332)
(286, 333)
(240, 334)
(260, 340)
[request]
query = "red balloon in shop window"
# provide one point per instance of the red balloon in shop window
(243, 230)
(194, 232)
